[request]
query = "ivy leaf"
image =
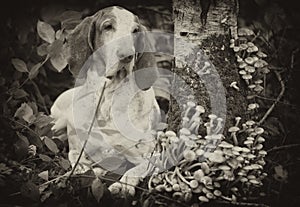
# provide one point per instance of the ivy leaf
(45, 158)
(30, 190)
(44, 175)
(42, 50)
(25, 112)
(19, 93)
(19, 65)
(57, 56)
(97, 189)
(34, 71)
(65, 164)
(21, 146)
(88, 180)
(51, 145)
(45, 31)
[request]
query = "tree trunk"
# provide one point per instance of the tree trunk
(212, 40)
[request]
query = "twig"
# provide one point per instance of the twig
(39, 94)
(89, 131)
(36, 134)
(137, 187)
(277, 99)
(243, 204)
(283, 147)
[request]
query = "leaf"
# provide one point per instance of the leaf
(51, 145)
(42, 50)
(88, 179)
(65, 164)
(44, 175)
(25, 112)
(42, 120)
(45, 31)
(21, 146)
(19, 93)
(45, 158)
(30, 190)
(34, 71)
(57, 56)
(19, 65)
(97, 189)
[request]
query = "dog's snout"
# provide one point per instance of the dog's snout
(126, 59)
(125, 55)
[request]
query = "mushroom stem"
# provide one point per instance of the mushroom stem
(181, 176)
(235, 141)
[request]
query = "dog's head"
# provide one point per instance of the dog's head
(118, 33)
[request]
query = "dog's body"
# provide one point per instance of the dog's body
(71, 111)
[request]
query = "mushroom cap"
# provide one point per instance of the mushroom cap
(259, 81)
(261, 54)
(242, 65)
(200, 109)
(224, 167)
(242, 72)
(250, 138)
(239, 59)
(258, 88)
(248, 142)
(252, 49)
(170, 133)
(185, 131)
(247, 77)
(251, 86)
(249, 60)
(260, 140)
(259, 130)
(245, 32)
(212, 116)
(233, 129)
(189, 155)
(191, 104)
(243, 46)
(265, 70)
(224, 144)
(250, 44)
(236, 49)
(203, 199)
(250, 122)
(252, 106)
(250, 69)
(260, 63)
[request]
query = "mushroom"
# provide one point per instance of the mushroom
(203, 199)
(184, 131)
(194, 184)
(259, 81)
(234, 85)
(233, 131)
(252, 49)
(195, 125)
(217, 193)
(250, 69)
(189, 155)
(252, 106)
(189, 106)
(242, 72)
(170, 133)
(242, 65)
(243, 46)
(236, 49)
(247, 77)
(218, 128)
(199, 174)
(239, 59)
(251, 86)
(249, 60)
(199, 110)
(261, 54)
(245, 32)
(258, 88)
(260, 63)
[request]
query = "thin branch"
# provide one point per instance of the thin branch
(283, 147)
(277, 99)
(243, 204)
(89, 131)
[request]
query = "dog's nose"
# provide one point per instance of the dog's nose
(125, 56)
(126, 59)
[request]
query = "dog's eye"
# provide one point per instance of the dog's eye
(107, 27)
(136, 30)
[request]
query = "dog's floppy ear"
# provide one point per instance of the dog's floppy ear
(80, 43)
(145, 60)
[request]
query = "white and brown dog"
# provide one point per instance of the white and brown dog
(117, 60)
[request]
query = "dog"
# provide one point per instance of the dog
(110, 137)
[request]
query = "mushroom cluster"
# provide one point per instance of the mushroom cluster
(208, 166)
(250, 59)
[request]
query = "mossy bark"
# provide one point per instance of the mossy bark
(213, 39)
